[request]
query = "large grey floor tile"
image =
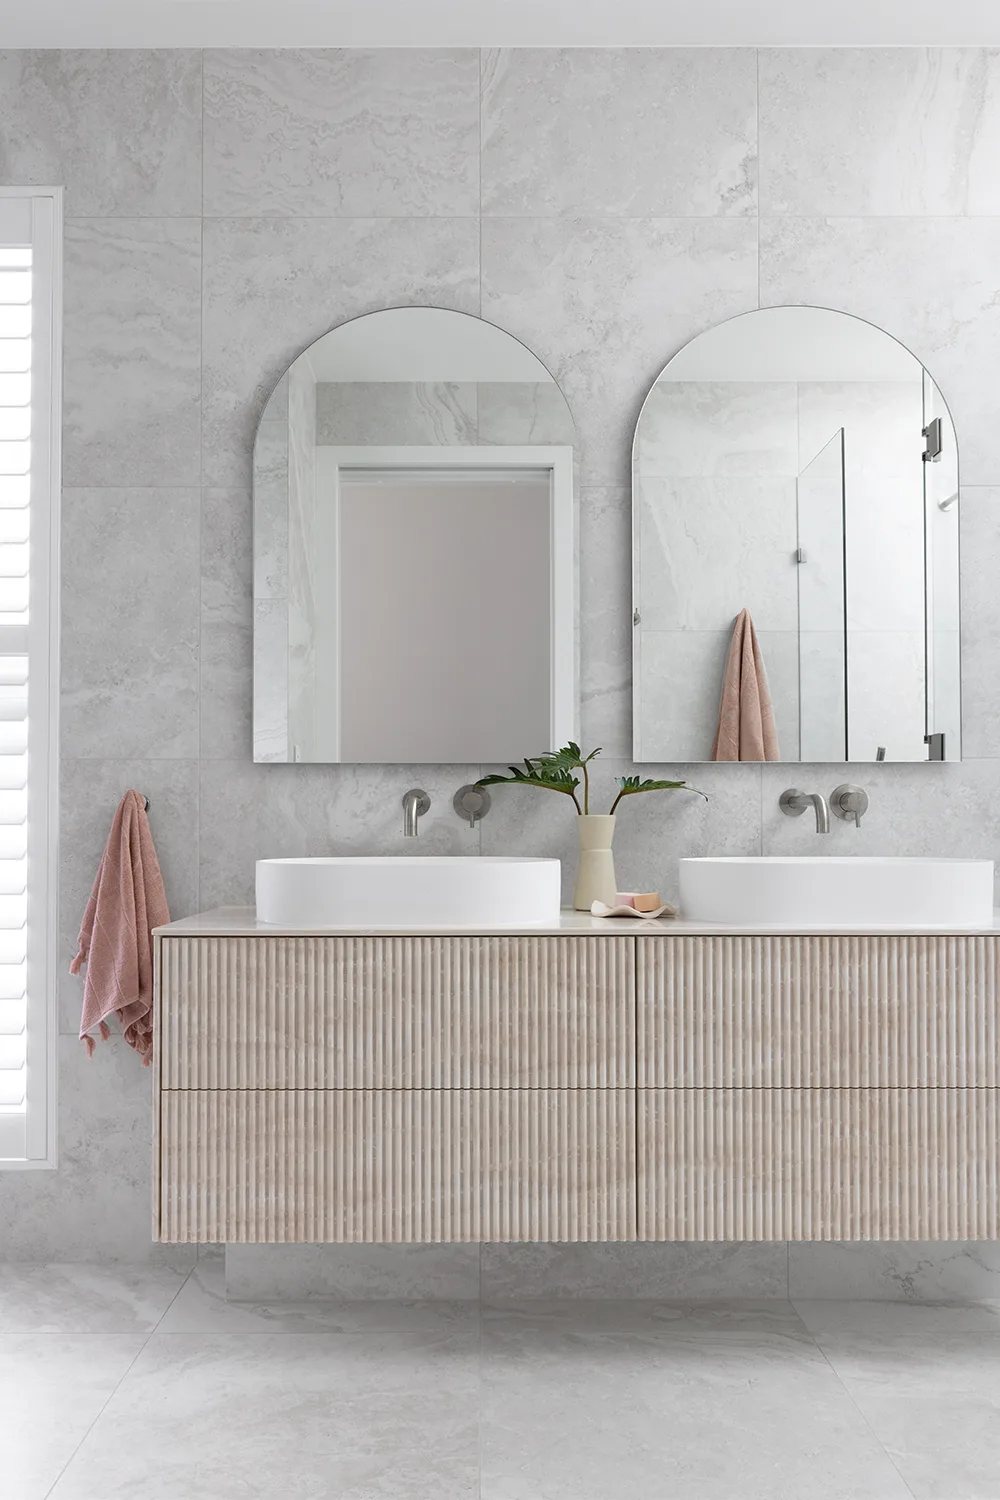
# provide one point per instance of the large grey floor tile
(201, 1307)
(670, 1404)
(85, 1298)
(52, 1387)
(376, 1416)
(927, 1381)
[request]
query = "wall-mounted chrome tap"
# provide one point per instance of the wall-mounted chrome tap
(415, 804)
(794, 804)
(471, 803)
(849, 802)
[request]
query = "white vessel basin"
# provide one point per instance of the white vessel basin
(402, 892)
(837, 892)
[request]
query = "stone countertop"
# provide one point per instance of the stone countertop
(241, 921)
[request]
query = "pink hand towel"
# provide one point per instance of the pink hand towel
(746, 719)
(127, 902)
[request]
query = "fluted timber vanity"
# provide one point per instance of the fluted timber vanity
(587, 1081)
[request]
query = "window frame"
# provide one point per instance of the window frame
(39, 1143)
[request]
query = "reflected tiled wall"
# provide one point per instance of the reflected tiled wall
(205, 247)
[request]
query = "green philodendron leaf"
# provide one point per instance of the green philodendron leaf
(553, 772)
(628, 786)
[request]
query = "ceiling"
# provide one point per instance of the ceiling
(475, 23)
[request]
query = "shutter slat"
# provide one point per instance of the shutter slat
(30, 231)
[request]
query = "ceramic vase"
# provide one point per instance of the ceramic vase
(595, 872)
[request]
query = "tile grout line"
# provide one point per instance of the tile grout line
(757, 159)
(848, 1393)
(117, 1386)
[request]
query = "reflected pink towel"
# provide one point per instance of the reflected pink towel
(746, 719)
(127, 902)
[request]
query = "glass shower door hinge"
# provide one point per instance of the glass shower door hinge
(636, 617)
(935, 441)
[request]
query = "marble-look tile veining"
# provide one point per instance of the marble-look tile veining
(226, 624)
(120, 128)
(52, 1389)
(605, 618)
(979, 517)
(698, 1404)
(163, 1388)
(97, 1206)
(344, 132)
(634, 107)
(604, 303)
(273, 286)
(250, 811)
(353, 1273)
(616, 227)
(879, 130)
(930, 282)
(130, 673)
(389, 1412)
(85, 1298)
(132, 352)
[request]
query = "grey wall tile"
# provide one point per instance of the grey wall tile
(950, 810)
(273, 286)
(132, 342)
(909, 1271)
(97, 1206)
(369, 411)
(605, 303)
(226, 624)
(605, 614)
(636, 131)
(879, 130)
(89, 793)
(130, 623)
(251, 812)
(653, 830)
(120, 129)
(674, 1272)
(342, 132)
(929, 282)
(349, 1273)
(980, 522)
(604, 298)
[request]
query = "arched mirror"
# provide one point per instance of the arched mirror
(414, 595)
(795, 549)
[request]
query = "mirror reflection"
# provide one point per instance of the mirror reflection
(795, 549)
(413, 548)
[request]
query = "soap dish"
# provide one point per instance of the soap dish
(598, 909)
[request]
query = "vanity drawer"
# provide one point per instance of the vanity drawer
(396, 1012)
(366, 1166)
(803, 1011)
(819, 1164)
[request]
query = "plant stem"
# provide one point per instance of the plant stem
(586, 790)
(616, 802)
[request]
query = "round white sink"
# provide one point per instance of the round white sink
(408, 892)
(838, 892)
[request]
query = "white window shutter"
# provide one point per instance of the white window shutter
(29, 301)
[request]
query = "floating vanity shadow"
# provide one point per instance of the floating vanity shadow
(801, 464)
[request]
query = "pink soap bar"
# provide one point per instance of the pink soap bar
(638, 900)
